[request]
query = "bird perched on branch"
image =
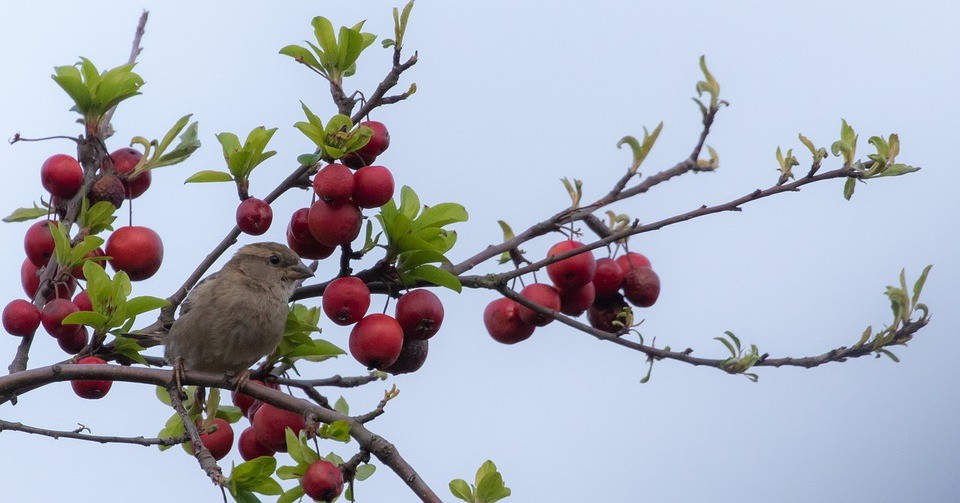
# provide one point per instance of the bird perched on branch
(236, 316)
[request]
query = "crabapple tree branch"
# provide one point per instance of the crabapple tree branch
(76, 434)
(200, 451)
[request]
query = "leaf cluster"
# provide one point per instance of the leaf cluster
(417, 239)
(241, 158)
(93, 92)
(332, 56)
(488, 486)
(335, 140)
(155, 153)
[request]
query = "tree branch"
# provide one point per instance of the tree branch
(200, 451)
(146, 442)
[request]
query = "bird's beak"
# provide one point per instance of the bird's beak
(299, 271)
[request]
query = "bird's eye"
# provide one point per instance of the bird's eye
(274, 259)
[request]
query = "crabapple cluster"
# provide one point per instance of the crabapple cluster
(136, 250)
(581, 284)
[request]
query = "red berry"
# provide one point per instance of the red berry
(21, 318)
(254, 216)
(575, 302)
(301, 240)
(502, 319)
(412, 356)
(53, 314)
(322, 481)
(632, 260)
(38, 242)
(608, 277)
(376, 341)
(29, 278)
(73, 343)
(334, 224)
(94, 388)
(334, 183)
(378, 143)
(641, 287)
(137, 251)
(544, 295)
(270, 424)
(124, 160)
(373, 186)
(217, 437)
(249, 447)
(420, 314)
(346, 300)
(61, 175)
(573, 272)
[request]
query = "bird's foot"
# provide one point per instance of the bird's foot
(178, 374)
(238, 379)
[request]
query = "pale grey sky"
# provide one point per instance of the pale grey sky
(513, 96)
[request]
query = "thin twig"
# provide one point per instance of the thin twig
(200, 451)
(56, 434)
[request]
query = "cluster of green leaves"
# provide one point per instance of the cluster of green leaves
(174, 426)
(708, 85)
(819, 154)
(786, 162)
(112, 311)
(640, 149)
(155, 153)
(94, 93)
(884, 160)
(399, 26)
(417, 239)
(97, 218)
(335, 140)
(739, 361)
(333, 56)
(241, 159)
(304, 456)
(254, 476)
(488, 486)
(297, 344)
(904, 307)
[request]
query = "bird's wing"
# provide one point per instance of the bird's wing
(188, 302)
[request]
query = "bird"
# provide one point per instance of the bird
(235, 316)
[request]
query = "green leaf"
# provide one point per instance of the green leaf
(507, 236)
(491, 488)
(291, 472)
(25, 214)
(229, 413)
(130, 348)
(244, 496)
(365, 471)
(163, 396)
(341, 406)
(485, 469)
(98, 217)
(409, 203)
(187, 145)
(898, 169)
(295, 447)
(729, 346)
(173, 428)
(144, 304)
(440, 215)
(849, 187)
(918, 285)
(437, 276)
(302, 55)
(309, 159)
(253, 471)
(337, 430)
(207, 176)
(61, 241)
(461, 490)
(88, 318)
(293, 494)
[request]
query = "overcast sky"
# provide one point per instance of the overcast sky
(513, 96)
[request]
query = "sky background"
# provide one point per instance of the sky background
(513, 96)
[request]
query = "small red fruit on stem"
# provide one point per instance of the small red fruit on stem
(254, 216)
(322, 481)
(138, 251)
(270, 424)
(21, 318)
(420, 313)
(38, 242)
(92, 389)
(376, 341)
(249, 447)
(61, 175)
(641, 287)
(334, 183)
(631, 261)
(608, 278)
(379, 142)
(502, 319)
(124, 160)
(572, 272)
(373, 186)
(334, 224)
(543, 295)
(346, 300)
(217, 437)
(53, 314)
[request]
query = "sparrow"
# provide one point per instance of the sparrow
(236, 316)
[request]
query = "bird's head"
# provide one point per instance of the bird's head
(271, 262)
